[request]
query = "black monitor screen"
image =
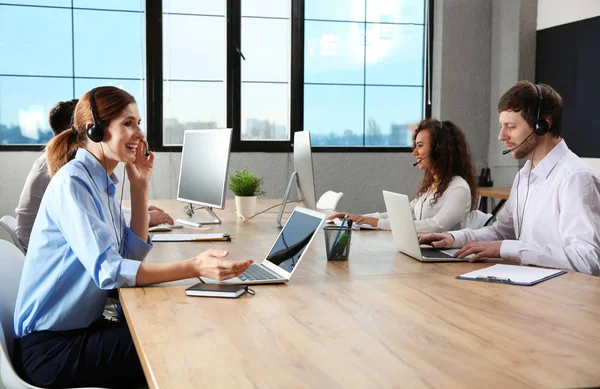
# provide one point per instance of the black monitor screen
(293, 240)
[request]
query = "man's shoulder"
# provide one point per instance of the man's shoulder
(572, 164)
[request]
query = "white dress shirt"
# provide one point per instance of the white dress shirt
(449, 212)
(31, 196)
(557, 223)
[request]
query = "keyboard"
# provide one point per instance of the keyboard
(434, 254)
(257, 273)
(164, 227)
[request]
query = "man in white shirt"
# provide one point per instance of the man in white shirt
(37, 181)
(553, 211)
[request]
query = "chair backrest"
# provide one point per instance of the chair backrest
(7, 234)
(11, 266)
(10, 221)
(477, 219)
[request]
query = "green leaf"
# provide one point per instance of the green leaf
(245, 183)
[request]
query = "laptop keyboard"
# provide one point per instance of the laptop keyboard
(433, 253)
(256, 273)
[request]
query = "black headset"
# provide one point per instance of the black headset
(436, 149)
(96, 131)
(541, 125)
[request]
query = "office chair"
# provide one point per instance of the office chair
(8, 234)
(477, 219)
(11, 266)
(10, 221)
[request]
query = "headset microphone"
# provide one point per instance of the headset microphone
(147, 150)
(517, 146)
(420, 160)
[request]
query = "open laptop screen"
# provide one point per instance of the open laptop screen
(293, 240)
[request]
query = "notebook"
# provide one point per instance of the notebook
(190, 237)
(216, 290)
(512, 274)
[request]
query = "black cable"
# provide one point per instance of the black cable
(112, 218)
(265, 210)
(520, 222)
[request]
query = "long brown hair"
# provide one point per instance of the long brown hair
(450, 156)
(109, 102)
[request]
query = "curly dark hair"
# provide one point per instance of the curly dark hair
(450, 156)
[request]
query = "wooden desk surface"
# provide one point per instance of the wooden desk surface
(498, 192)
(380, 319)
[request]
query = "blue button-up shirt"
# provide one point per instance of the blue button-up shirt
(73, 257)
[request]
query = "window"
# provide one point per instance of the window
(60, 49)
(194, 67)
(363, 71)
(265, 70)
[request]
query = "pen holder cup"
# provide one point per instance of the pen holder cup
(337, 242)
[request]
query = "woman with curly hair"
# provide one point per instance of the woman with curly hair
(447, 192)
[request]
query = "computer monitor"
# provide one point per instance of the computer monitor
(303, 174)
(304, 168)
(203, 172)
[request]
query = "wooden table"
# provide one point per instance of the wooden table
(380, 319)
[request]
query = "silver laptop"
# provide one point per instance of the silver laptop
(405, 232)
(286, 253)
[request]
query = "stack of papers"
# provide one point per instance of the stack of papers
(189, 237)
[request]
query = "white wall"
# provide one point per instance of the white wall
(556, 12)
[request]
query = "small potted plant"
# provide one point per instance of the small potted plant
(246, 187)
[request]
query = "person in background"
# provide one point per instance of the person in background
(38, 179)
(447, 192)
(552, 215)
(80, 249)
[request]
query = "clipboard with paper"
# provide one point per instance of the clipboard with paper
(512, 275)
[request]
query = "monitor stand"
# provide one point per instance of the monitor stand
(189, 210)
(286, 195)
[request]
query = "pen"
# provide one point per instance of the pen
(338, 235)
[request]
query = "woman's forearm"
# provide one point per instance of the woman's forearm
(139, 211)
(155, 273)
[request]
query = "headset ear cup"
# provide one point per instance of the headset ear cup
(541, 127)
(95, 133)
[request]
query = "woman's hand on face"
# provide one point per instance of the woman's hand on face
(211, 264)
(140, 170)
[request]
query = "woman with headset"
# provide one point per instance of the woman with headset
(447, 192)
(80, 248)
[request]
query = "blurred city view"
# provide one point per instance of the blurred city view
(363, 67)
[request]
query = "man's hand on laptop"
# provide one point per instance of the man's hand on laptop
(210, 264)
(480, 250)
(438, 240)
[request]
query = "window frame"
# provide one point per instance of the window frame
(72, 8)
(154, 83)
(233, 77)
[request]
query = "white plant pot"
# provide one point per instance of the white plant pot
(245, 206)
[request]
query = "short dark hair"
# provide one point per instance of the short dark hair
(523, 97)
(61, 116)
